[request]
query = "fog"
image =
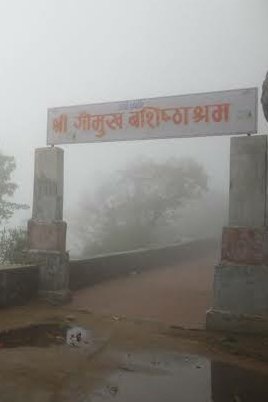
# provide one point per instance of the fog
(65, 52)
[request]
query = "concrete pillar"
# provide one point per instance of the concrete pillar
(46, 229)
(248, 181)
(48, 184)
(241, 278)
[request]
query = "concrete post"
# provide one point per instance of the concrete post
(48, 184)
(46, 229)
(241, 278)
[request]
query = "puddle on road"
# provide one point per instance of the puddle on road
(182, 378)
(152, 376)
(42, 335)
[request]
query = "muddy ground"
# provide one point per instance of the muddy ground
(172, 294)
(137, 348)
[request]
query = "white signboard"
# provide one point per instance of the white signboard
(207, 114)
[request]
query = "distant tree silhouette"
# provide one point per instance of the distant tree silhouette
(7, 188)
(127, 212)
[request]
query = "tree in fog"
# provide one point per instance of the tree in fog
(7, 188)
(12, 241)
(127, 211)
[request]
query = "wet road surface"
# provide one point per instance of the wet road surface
(120, 374)
(127, 359)
(178, 295)
(170, 377)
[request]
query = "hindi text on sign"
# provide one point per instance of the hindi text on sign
(219, 113)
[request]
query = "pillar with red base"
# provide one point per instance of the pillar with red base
(46, 229)
(240, 300)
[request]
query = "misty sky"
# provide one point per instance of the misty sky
(64, 52)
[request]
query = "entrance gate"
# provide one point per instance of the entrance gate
(241, 277)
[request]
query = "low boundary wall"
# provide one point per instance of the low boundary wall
(89, 272)
(19, 283)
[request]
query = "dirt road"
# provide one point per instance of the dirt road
(178, 294)
(126, 359)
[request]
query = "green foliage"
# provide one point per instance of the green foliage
(127, 212)
(13, 244)
(7, 188)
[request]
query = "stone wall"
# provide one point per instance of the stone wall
(19, 284)
(85, 273)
